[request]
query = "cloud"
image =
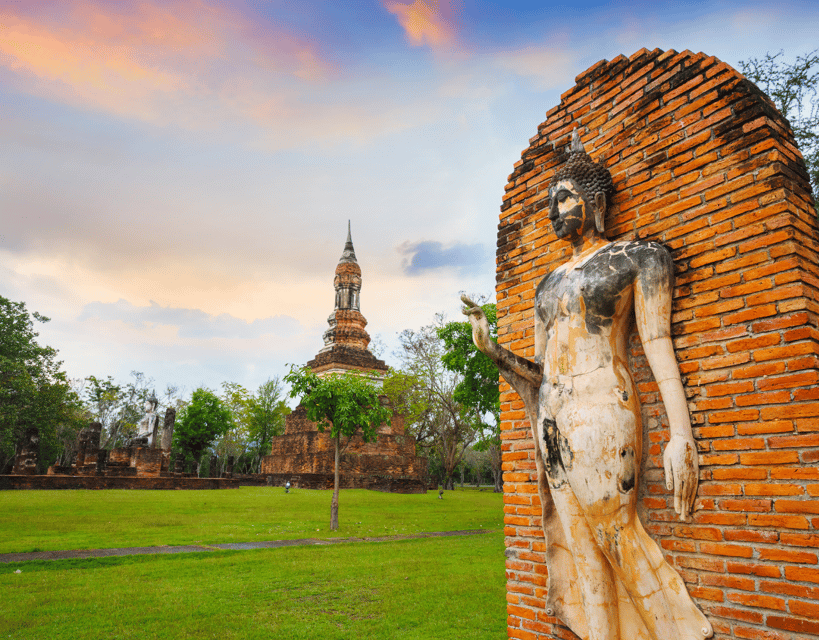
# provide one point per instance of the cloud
(425, 22)
(190, 323)
(190, 64)
(428, 255)
(548, 67)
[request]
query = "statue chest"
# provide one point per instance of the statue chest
(589, 299)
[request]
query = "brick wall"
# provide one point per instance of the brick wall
(703, 164)
(305, 452)
(110, 482)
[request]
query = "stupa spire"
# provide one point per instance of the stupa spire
(346, 339)
(349, 251)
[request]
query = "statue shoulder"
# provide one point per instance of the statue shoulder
(646, 254)
(652, 262)
(547, 280)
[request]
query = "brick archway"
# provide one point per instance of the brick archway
(703, 163)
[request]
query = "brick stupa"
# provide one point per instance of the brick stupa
(346, 341)
(303, 455)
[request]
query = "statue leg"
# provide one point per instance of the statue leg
(594, 574)
(600, 452)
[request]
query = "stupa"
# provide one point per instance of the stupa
(304, 455)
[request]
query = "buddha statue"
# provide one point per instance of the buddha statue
(608, 579)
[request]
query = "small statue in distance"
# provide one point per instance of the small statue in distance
(148, 426)
(608, 579)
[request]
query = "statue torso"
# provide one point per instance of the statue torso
(585, 312)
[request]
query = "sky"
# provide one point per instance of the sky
(176, 177)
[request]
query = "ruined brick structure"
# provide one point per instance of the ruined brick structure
(132, 461)
(131, 467)
(114, 482)
(26, 458)
(704, 164)
(303, 455)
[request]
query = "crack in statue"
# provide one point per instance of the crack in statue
(608, 579)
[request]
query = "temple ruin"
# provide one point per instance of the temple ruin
(304, 455)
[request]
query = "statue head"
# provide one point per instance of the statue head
(578, 193)
(151, 403)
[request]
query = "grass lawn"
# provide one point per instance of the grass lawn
(428, 588)
(433, 588)
(84, 519)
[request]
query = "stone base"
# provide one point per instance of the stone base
(325, 481)
(108, 482)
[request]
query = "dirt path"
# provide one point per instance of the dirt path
(230, 546)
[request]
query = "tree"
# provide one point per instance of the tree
(478, 388)
(34, 393)
(119, 408)
(424, 392)
(235, 441)
(346, 404)
(794, 88)
(203, 420)
(103, 398)
(267, 414)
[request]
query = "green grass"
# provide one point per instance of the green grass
(55, 520)
(452, 587)
(414, 589)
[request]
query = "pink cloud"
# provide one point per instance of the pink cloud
(144, 59)
(425, 22)
(197, 66)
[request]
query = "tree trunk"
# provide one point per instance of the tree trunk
(113, 434)
(334, 503)
(496, 457)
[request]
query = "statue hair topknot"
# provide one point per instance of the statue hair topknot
(590, 176)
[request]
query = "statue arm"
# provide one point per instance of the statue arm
(652, 305)
(512, 366)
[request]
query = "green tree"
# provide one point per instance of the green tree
(267, 413)
(424, 392)
(794, 88)
(235, 441)
(409, 395)
(478, 387)
(346, 404)
(103, 398)
(201, 422)
(34, 393)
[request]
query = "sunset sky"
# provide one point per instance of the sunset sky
(176, 177)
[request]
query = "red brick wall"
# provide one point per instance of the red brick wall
(109, 482)
(703, 164)
(304, 451)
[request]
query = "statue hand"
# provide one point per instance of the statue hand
(682, 473)
(480, 325)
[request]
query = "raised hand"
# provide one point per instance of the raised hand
(480, 325)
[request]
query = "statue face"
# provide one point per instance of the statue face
(568, 210)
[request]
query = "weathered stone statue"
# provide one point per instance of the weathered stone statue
(102, 461)
(148, 426)
(27, 454)
(88, 443)
(608, 579)
(167, 429)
